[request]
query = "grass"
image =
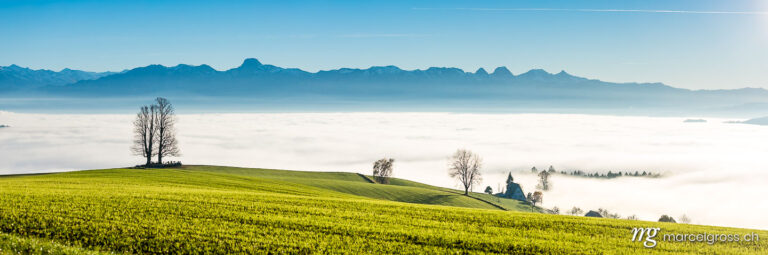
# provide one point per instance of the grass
(220, 210)
(12, 244)
(355, 184)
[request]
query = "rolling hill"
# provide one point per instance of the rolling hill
(218, 210)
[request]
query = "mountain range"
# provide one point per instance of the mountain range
(435, 88)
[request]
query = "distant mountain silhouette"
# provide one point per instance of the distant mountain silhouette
(19, 78)
(432, 88)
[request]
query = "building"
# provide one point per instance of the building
(514, 191)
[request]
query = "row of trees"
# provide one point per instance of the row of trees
(610, 174)
(607, 214)
(154, 131)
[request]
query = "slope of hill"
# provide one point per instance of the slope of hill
(354, 184)
(225, 210)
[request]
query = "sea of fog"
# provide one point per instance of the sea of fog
(713, 172)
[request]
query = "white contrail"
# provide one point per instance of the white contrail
(596, 10)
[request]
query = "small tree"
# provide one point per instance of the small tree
(382, 170)
(543, 181)
(632, 217)
(489, 190)
(604, 212)
(465, 167)
(551, 170)
(575, 211)
(555, 210)
(685, 219)
(538, 197)
(666, 218)
(534, 170)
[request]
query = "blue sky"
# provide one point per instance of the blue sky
(701, 45)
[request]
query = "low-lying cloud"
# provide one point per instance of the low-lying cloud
(712, 171)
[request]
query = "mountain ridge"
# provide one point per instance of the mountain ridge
(381, 87)
(253, 66)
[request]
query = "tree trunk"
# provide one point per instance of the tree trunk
(160, 155)
(466, 190)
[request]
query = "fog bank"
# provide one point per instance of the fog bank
(712, 171)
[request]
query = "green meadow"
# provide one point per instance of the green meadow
(220, 210)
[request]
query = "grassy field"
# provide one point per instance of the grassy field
(217, 210)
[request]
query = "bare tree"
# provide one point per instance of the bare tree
(165, 121)
(607, 214)
(555, 210)
(685, 219)
(465, 166)
(144, 133)
(382, 170)
(575, 211)
(544, 183)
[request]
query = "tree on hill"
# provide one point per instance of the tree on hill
(167, 144)
(575, 211)
(144, 133)
(555, 210)
(666, 218)
(465, 167)
(551, 170)
(537, 198)
(489, 190)
(544, 183)
(382, 170)
(605, 213)
(534, 170)
(685, 219)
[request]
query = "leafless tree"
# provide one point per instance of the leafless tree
(465, 166)
(575, 211)
(144, 133)
(607, 214)
(544, 183)
(382, 170)
(165, 121)
(685, 219)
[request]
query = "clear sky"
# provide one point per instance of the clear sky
(698, 44)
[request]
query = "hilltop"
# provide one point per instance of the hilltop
(210, 209)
